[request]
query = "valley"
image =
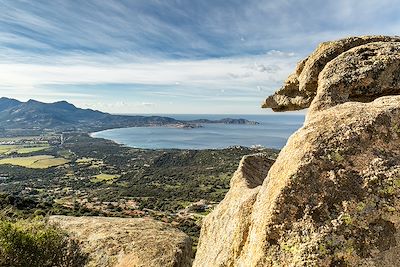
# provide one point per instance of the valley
(72, 173)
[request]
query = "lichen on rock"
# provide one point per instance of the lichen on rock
(332, 196)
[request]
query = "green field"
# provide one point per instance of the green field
(35, 162)
(102, 177)
(8, 149)
(84, 160)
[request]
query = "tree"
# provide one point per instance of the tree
(38, 244)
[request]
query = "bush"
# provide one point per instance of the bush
(38, 244)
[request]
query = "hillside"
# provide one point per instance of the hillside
(65, 116)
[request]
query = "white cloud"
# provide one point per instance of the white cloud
(225, 73)
(146, 104)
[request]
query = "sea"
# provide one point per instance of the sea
(272, 132)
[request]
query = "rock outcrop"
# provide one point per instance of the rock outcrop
(227, 226)
(332, 196)
(127, 242)
(365, 63)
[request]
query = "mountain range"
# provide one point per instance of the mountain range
(62, 115)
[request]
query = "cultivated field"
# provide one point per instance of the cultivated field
(104, 178)
(35, 162)
(8, 149)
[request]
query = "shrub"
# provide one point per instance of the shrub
(38, 244)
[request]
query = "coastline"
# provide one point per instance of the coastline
(211, 136)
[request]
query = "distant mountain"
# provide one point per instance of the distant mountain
(6, 103)
(65, 116)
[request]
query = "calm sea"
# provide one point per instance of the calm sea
(272, 132)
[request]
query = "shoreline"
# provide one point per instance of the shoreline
(165, 138)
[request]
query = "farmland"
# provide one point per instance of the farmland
(35, 162)
(104, 177)
(18, 149)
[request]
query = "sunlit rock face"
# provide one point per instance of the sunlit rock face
(129, 242)
(224, 232)
(332, 196)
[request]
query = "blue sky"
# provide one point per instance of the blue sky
(182, 56)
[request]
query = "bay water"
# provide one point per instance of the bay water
(272, 132)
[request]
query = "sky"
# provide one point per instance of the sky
(170, 56)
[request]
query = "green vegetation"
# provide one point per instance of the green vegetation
(4, 149)
(35, 162)
(9, 149)
(336, 156)
(37, 244)
(27, 150)
(347, 219)
(84, 160)
(104, 178)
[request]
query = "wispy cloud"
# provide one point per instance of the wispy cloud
(228, 73)
(188, 29)
(187, 53)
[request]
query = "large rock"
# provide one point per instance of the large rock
(302, 86)
(362, 74)
(332, 196)
(227, 226)
(127, 242)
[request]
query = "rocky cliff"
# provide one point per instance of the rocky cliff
(127, 242)
(332, 196)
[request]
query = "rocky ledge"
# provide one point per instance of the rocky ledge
(351, 69)
(332, 196)
(123, 242)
